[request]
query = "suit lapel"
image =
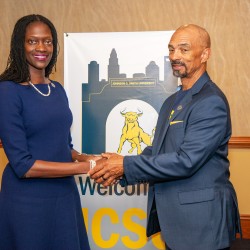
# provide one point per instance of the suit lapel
(165, 124)
(183, 103)
(167, 108)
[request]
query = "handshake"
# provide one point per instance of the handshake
(108, 169)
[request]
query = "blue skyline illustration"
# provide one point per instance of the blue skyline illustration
(100, 97)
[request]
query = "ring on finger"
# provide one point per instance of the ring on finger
(104, 178)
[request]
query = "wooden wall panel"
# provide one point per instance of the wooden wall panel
(228, 22)
(240, 172)
(245, 224)
(3, 162)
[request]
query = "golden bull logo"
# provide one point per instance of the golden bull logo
(133, 133)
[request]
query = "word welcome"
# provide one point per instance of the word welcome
(92, 188)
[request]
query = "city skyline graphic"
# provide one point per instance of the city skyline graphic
(152, 72)
(102, 96)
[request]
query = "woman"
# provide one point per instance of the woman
(39, 201)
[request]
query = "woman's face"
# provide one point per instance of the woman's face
(38, 46)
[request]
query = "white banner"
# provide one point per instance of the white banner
(116, 84)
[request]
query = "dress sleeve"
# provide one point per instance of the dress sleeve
(12, 130)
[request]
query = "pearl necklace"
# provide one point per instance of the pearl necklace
(39, 90)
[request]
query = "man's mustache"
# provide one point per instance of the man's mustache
(177, 62)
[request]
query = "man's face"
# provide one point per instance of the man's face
(185, 53)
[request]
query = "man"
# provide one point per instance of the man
(190, 200)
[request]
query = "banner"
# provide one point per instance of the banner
(116, 84)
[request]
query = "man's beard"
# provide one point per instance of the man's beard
(177, 73)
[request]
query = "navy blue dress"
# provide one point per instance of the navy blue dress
(37, 213)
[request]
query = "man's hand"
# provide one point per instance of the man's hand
(108, 170)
